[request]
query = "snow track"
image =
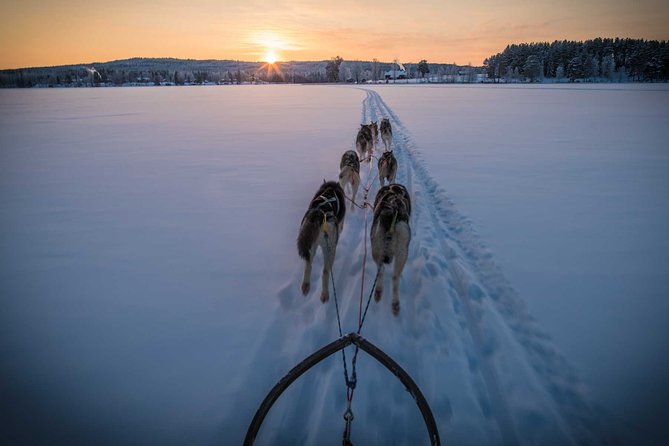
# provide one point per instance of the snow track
(489, 373)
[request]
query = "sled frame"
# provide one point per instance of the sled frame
(328, 350)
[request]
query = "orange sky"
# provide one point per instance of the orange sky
(56, 32)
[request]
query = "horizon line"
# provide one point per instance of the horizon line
(84, 64)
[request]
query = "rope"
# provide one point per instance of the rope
(348, 381)
(352, 381)
(364, 204)
(369, 299)
(369, 158)
(357, 348)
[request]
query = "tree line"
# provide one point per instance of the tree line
(606, 59)
(103, 75)
(168, 71)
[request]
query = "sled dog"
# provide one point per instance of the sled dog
(350, 172)
(321, 226)
(375, 132)
(364, 143)
(390, 236)
(387, 167)
(386, 133)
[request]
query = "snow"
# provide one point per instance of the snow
(150, 280)
(567, 185)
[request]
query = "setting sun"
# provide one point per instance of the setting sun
(270, 57)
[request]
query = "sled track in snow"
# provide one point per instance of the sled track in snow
(461, 326)
(474, 277)
(418, 183)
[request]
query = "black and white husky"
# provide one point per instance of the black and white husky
(321, 226)
(387, 167)
(390, 236)
(386, 133)
(350, 172)
(364, 142)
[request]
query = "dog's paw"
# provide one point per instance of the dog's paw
(325, 297)
(396, 308)
(378, 292)
(305, 288)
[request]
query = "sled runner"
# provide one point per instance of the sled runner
(320, 355)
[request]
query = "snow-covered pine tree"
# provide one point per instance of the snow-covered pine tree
(608, 67)
(575, 69)
(532, 68)
(559, 72)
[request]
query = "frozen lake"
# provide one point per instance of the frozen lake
(568, 186)
(150, 279)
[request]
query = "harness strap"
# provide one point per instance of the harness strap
(351, 163)
(328, 201)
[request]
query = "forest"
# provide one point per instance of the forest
(613, 60)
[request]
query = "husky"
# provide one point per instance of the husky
(386, 133)
(364, 142)
(375, 131)
(350, 173)
(321, 226)
(387, 167)
(390, 236)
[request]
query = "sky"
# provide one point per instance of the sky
(57, 32)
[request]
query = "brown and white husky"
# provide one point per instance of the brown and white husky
(364, 142)
(321, 226)
(390, 236)
(350, 173)
(375, 132)
(386, 133)
(387, 167)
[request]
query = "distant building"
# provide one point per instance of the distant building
(397, 72)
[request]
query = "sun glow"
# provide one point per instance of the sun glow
(270, 56)
(270, 46)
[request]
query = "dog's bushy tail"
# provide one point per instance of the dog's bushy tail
(311, 227)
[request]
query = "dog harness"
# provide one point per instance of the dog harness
(325, 201)
(350, 162)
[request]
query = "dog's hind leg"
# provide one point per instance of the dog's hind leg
(402, 235)
(378, 289)
(355, 182)
(306, 278)
(370, 151)
(329, 247)
(386, 141)
(377, 239)
(393, 174)
(360, 149)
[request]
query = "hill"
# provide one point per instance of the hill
(170, 71)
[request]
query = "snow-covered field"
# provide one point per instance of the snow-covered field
(568, 186)
(150, 282)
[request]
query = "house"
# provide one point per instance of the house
(396, 72)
